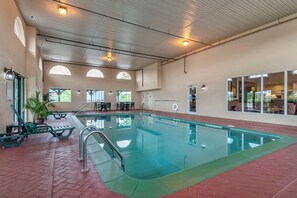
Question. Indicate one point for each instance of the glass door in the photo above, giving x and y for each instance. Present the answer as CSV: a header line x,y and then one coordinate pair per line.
x,y
18,96
192,99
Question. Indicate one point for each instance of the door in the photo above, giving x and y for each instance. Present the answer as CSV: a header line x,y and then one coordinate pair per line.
x,y
192,99
18,96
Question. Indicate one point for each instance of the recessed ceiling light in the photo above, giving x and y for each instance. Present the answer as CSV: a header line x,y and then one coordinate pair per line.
x,y
186,43
62,10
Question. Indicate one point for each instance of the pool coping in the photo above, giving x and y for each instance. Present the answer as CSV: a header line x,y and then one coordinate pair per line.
x,y
118,181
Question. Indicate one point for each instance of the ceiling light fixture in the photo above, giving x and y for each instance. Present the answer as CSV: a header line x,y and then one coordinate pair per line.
x,y
109,59
62,10
186,43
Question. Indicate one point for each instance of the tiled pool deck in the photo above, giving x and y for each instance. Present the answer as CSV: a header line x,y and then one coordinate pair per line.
x,y
41,167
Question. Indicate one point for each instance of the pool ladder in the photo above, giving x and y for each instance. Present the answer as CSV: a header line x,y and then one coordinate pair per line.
x,y
83,147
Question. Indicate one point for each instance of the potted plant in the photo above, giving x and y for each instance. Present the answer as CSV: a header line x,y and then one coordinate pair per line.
x,y
38,107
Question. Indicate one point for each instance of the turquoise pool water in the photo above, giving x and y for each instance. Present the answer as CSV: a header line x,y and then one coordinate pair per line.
x,y
155,146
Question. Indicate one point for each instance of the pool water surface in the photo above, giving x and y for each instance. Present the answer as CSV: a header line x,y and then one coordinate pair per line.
x,y
155,146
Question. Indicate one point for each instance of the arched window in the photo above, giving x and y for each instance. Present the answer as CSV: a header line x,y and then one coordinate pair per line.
x,y
95,73
60,70
123,76
40,64
19,30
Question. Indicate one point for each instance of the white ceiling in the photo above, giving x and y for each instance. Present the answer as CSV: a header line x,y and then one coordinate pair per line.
x,y
208,21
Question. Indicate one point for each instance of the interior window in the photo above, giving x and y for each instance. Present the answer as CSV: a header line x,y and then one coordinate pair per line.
x,y
234,94
252,93
292,93
273,93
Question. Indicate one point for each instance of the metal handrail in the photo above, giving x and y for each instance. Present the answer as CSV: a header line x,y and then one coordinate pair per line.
x,y
89,129
85,168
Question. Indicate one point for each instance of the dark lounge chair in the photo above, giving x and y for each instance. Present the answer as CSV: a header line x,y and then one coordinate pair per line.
x,y
11,139
58,115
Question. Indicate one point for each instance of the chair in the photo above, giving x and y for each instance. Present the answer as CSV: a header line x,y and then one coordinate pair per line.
x,y
291,108
122,105
108,106
11,139
29,128
132,107
118,106
58,115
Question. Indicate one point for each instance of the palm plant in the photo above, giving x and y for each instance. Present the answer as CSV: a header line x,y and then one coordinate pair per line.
x,y
39,108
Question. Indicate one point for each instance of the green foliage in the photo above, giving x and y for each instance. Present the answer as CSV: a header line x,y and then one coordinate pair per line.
x,y
292,97
39,108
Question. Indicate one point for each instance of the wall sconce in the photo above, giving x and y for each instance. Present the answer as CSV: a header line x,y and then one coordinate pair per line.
x,y
9,74
78,91
110,92
203,87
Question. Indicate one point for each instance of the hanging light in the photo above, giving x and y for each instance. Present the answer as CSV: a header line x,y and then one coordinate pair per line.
x,y
109,59
9,74
186,43
62,10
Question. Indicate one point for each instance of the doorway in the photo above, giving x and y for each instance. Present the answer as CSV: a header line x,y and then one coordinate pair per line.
x,y
192,99
18,96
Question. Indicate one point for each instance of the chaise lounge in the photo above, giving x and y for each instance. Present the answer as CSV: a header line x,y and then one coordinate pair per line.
x,y
12,139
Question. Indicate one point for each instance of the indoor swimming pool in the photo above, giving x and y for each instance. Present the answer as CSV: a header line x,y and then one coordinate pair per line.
x,y
154,146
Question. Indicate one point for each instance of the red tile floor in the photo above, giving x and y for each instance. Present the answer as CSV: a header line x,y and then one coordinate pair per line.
x,y
43,167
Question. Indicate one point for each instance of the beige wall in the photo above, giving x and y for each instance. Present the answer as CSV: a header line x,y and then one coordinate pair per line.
x,y
271,50
79,81
12,54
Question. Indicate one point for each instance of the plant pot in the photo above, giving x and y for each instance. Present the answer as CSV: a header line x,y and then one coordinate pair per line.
x,y
39,120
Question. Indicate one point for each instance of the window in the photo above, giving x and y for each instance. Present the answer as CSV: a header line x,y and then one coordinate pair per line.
x,y
95,95
19,30
252,93
95,73
292,93
123,76
60,94
60,70
234,94
123,96
273,93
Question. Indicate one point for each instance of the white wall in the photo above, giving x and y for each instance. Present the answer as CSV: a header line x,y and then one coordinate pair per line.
x,y
79,81
271,50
